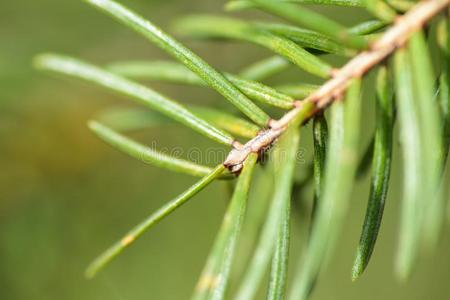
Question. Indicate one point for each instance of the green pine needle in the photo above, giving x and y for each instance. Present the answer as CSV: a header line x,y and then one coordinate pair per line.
x,y
280,260
139,93
244,4
130,119
197,65
367,27
147,154
430,126
214,278
381,168
381,10
313,21
411,220
104,259
176,73
308,39
222,27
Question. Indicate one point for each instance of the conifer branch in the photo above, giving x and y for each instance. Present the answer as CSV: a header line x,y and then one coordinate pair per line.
x,y
394,38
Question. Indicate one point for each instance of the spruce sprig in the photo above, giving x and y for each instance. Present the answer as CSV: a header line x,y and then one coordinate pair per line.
x,y
395,43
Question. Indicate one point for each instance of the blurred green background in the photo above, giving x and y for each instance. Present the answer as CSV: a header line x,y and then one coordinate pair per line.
x,y
65,196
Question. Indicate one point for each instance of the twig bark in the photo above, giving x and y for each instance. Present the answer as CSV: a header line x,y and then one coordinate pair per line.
x,y
394,38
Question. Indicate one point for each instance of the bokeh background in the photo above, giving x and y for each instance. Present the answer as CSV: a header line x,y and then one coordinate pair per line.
x,y
65,195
